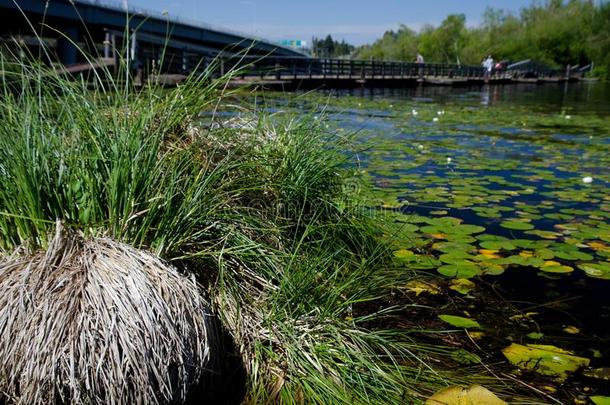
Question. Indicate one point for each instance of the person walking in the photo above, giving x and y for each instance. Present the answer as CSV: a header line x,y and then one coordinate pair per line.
x,y
420,61
488,64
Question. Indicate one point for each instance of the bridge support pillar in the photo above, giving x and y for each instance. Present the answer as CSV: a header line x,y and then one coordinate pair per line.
x,y
66,48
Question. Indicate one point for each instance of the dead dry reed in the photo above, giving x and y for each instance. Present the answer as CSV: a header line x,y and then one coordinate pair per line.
x,y
98,321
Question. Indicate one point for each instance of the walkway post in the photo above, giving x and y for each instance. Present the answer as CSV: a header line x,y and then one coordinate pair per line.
x,y
107,45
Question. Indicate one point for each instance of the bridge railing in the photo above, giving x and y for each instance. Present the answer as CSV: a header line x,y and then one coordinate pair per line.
x,y
287,68
124,7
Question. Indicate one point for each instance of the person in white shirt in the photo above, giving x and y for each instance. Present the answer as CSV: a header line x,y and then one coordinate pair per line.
x,y
488,64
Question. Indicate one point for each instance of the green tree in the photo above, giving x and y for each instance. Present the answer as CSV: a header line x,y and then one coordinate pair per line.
x,y
555,32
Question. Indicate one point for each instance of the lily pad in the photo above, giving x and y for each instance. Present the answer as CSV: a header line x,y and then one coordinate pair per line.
x,y
465,269
517,225
544,359
555,267
462,285
596,270
418,287
460,321
535,335
473,395
498,245
600,400
457,257
572,330
403,254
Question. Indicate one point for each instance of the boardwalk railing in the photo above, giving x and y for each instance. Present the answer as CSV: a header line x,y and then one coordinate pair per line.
x,y
288,68
355,69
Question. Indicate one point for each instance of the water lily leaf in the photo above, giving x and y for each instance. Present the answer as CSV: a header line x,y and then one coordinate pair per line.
x,y
403,254
525,243
462,285
526,316
599,247
498,245
492,269
460,238
555,267
445,222
419,287
489,237
490,253
459,321
535,335
544,359
449,247
600,400
520,260
476,335
572,255
544,234
473,395
602,373
572,330
517,225
431,229
456,257
463,270
545,254
467,229
596,270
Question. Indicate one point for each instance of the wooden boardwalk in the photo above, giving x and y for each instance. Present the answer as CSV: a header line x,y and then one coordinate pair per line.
x,y
341,73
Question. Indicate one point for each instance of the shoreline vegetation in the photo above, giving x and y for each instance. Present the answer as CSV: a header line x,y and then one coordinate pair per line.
x,y
263,210
557,33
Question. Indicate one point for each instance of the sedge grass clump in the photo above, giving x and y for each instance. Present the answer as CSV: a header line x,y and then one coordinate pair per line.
x,y
97,321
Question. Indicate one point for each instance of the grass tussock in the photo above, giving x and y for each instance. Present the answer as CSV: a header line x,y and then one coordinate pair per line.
x,y
262,207
97,321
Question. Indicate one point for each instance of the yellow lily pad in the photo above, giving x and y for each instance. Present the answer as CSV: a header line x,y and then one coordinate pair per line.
x,y
544,359
403,254
599,247
490,253
462,285
473,395
418,287
476,335
521,317
555,267
572,330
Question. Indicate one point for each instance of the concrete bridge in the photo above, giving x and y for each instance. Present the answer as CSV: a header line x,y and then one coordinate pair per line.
x,y
100,27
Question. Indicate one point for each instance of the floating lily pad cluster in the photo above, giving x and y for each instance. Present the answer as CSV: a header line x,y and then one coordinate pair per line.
x,y
483,189
493,188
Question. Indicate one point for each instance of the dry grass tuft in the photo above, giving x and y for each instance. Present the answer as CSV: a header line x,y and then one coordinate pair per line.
x,y
97,321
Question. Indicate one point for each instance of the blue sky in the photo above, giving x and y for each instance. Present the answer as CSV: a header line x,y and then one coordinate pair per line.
x,y
357,21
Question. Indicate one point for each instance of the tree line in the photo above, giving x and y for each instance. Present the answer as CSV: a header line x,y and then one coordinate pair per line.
x,y
330,48
557,33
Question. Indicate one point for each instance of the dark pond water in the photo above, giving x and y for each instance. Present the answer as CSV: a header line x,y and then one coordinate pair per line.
x,y
505,186
583,97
